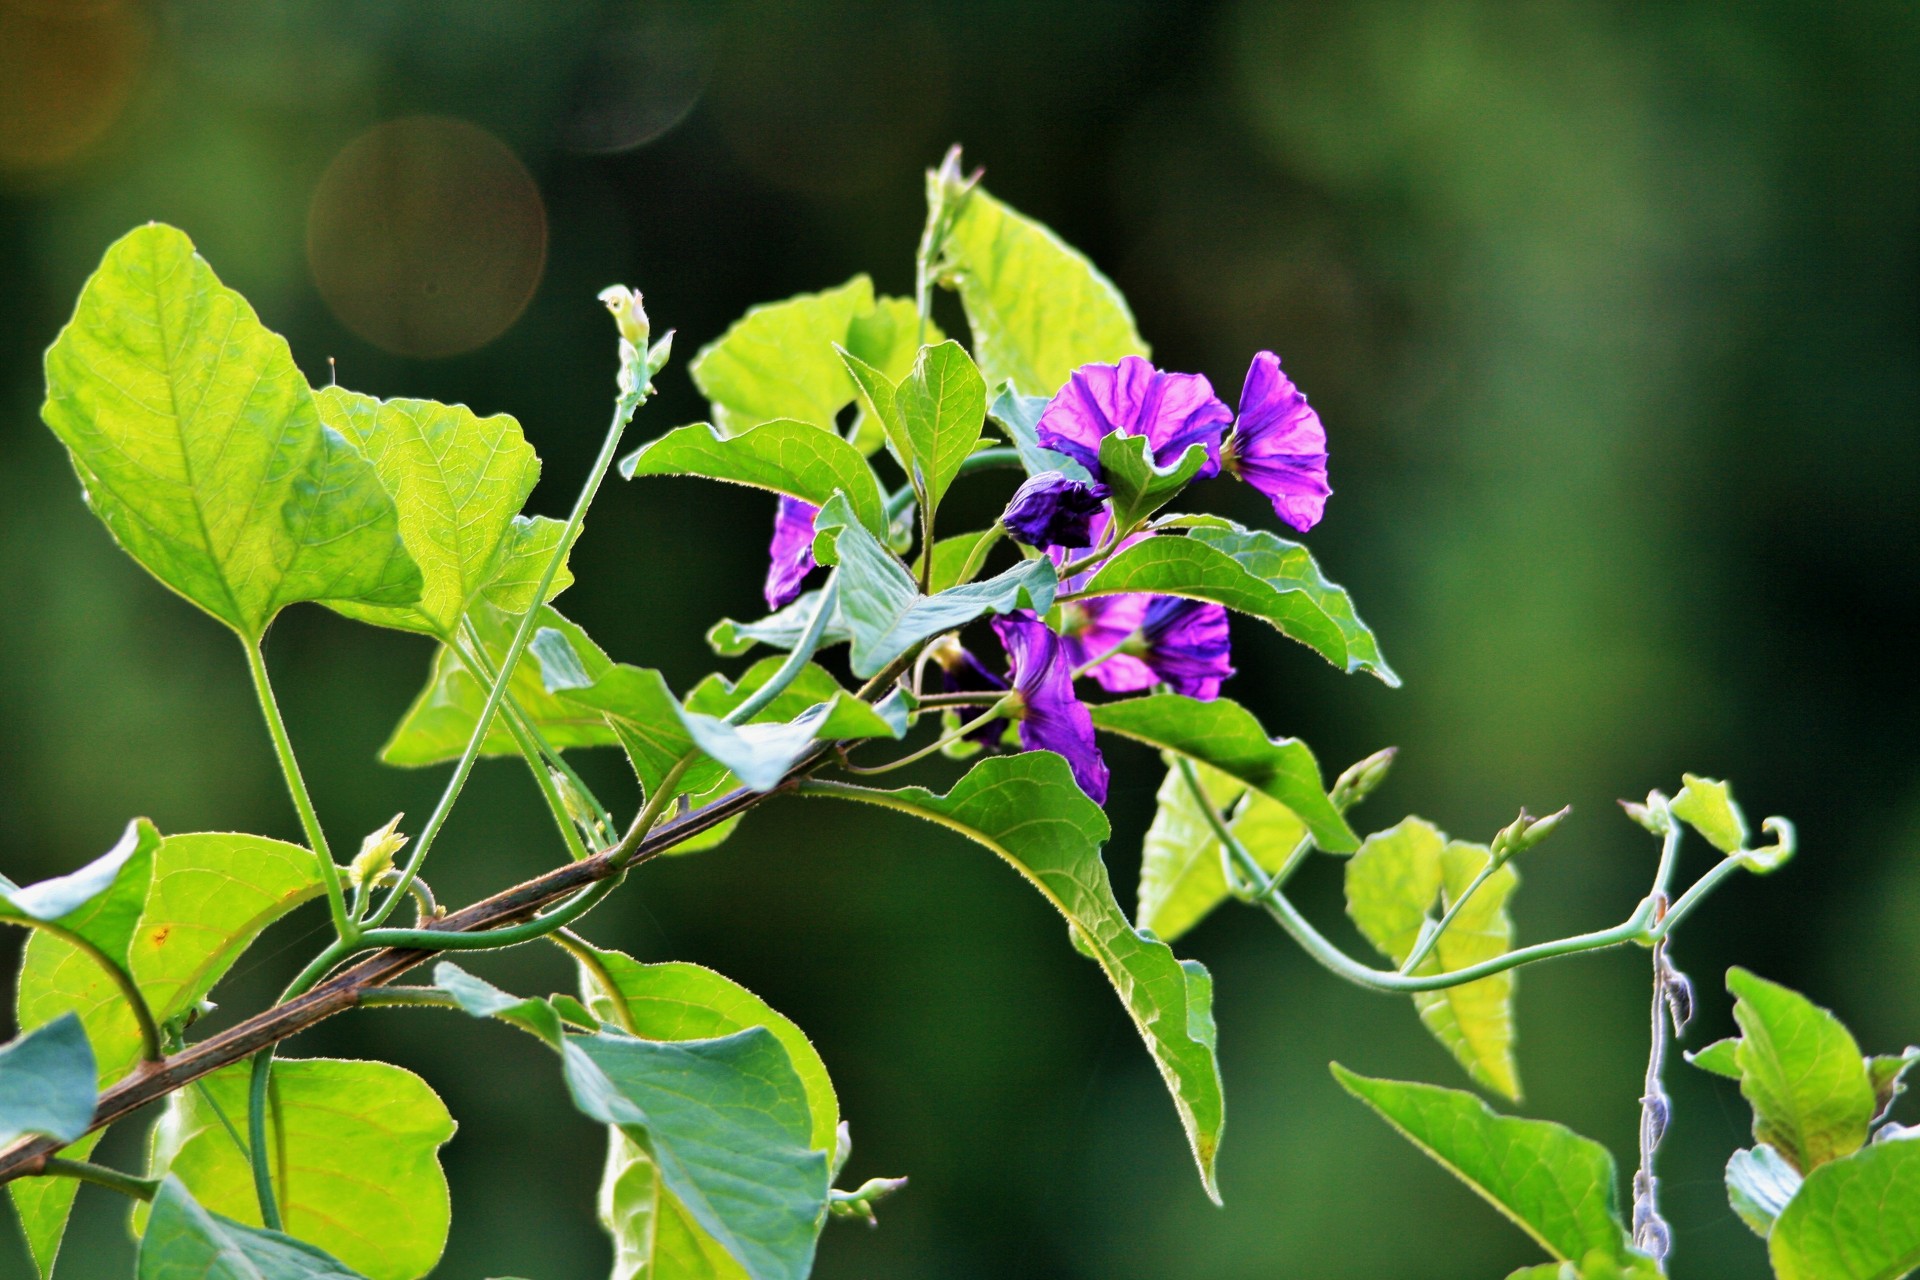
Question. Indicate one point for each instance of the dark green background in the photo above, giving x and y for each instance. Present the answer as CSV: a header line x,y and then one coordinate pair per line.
x,y
1610,310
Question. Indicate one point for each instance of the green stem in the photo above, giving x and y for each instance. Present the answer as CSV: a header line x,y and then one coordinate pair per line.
x,y
1432,936
493,939
655,807
797,658
589,960
978,556
978,460
973,698
101,1176
474,653
406,998
623,411
258,1101
343,925
1695,895
953,735
152,1045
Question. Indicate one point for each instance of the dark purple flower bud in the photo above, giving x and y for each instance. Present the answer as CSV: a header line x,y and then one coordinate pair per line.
x,y
1172,410
1278,445
1053,510
1051,717
792,551
952,669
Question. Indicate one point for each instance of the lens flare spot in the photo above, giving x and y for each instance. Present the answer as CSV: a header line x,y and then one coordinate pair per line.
x,y
67,70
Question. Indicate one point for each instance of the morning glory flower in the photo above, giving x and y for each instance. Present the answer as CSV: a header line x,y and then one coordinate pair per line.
x,y
1278,445
1050,716
1052,510
1172,410
791,552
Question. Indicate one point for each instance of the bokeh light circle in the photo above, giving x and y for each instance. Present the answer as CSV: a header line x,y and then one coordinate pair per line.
x,y
67,70
647,68
427,236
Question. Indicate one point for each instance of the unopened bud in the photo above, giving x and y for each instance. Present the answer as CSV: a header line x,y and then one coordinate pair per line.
x,y
859,1202
1524,832
628,314
375,858
1362,779
1652,815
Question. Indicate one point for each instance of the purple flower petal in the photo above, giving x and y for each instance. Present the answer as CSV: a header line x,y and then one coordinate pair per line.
x,y
1186,646
1278,445
791,552
1051,510
1172,410
1052,717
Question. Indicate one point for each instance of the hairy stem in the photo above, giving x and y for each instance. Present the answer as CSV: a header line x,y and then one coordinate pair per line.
x,y
343,926
1431,937
101,1176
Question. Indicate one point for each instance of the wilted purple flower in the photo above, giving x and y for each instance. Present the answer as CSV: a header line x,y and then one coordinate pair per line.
x,y
1172,410
1278,445
1050,715
791,552
1053,510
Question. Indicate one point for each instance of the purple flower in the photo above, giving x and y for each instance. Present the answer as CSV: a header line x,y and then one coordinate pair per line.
x,y
791,552
1051,510
1051,717
1278,445
1172,410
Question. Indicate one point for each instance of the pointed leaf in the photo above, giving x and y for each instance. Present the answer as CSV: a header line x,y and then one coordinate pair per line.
x,y
1225,735
1553,1184
942,405
1853,1219
100,901
784,456
644,715
457,481
1405,876
779,630
529,544
1140,486
777,361
885,340
1017,416
1037,308
761,754
1720,1058
1759,1185
46,1083
1887,1072
185,1242
1027,809
479,998
356,1159
1706,805
1801,1072
883,607
1181,879
200,447
436,727
716,695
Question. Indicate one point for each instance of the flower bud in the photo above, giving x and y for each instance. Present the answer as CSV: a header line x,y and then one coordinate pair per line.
x,y
1524,832
628,314
1362,779
1652,815
375,858
1051,510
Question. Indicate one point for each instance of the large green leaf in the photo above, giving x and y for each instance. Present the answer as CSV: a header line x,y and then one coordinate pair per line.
x,y
1853,1219
47,1083
882,605
1401,877
1288,566
185,1242
1801,1072
457,480
1553,1184
1027,809
645,716
653,1234
355,1159
513,580
1759,1185
942,405
1181,876
784,456
200,447
1037,308
1225,735
726,1124
100,902
440,721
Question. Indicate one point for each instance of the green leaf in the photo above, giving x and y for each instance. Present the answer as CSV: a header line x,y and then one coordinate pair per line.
x,y
1759,1185
726,1124
882,606
716,695
1553,1184
100,901
1887,1072
1226,736
761,754
1707,806
1853,1219
645,717
529,543
780,630
1018,418
950,559
1036,307
199,445
1408,874
1801,1072
941,405
786,456
1597,1265
44,1204
46,1083
1027,809
885,340
777,361
1720,1058
1288,566
1140,487
185,1242
355,1159
436,727
1181,880
457,481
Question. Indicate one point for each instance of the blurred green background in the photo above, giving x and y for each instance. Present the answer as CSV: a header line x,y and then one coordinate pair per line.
x,y
1610,310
